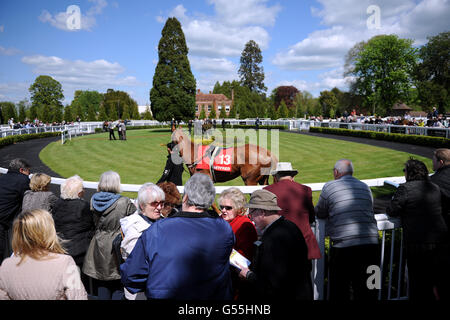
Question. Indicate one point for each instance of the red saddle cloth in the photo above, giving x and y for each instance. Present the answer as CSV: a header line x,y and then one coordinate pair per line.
x,y
222,160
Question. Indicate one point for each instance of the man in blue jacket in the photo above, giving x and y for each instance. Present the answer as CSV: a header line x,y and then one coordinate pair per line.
x,y
185,256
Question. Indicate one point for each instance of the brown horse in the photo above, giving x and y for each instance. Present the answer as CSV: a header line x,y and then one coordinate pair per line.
x,y
251,162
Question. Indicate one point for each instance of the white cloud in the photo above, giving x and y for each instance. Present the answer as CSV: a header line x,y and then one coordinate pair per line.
x,y
249,12
82,75
214,40
87,21
14,91
8,51
346,25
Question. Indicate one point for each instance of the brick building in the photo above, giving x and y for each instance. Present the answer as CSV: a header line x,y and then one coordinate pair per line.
x,y
207,101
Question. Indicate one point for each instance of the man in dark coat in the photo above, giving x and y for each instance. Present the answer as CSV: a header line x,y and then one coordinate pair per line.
x,y
441,177
280,268
12,188
295,201
172,172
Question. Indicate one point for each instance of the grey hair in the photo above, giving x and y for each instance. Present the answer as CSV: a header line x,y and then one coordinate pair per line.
x,y
17,164
149,192
200,191
71,187
344,166
109,182
235,195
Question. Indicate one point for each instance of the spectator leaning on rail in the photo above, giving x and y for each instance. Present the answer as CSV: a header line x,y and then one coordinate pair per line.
x,y
13,185
441,177
73,220
150,202
39,197
39,268
295,201
418,203
347,205
101,263
185,256
280,269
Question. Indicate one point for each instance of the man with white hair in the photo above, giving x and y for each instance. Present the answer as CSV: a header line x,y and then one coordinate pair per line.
x,y
347,205
185,256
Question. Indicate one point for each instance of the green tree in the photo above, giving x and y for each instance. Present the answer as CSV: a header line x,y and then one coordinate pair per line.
x,y
22,105
222,113
382,68
283,110
272,112
213,114
119,104
87,103
102,116
202,114
251,74
68,115
433,73
8,111
46,95
147,114
329,103
173,92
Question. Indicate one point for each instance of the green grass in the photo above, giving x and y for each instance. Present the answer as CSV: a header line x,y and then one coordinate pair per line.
x,y
142,159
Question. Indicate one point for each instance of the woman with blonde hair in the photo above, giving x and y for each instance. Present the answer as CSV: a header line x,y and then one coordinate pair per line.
x,y
39,197
40,269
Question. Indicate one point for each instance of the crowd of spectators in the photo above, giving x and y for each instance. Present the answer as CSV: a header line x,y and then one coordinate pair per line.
x,y
36,123
432,119
167,245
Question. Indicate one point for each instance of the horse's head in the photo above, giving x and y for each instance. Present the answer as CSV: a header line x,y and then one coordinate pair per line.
x,y
178,136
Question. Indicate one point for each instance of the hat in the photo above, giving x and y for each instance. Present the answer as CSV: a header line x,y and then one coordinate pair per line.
x,y
263,199
285,167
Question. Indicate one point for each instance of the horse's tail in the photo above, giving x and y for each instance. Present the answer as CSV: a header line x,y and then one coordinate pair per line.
x,y
265,171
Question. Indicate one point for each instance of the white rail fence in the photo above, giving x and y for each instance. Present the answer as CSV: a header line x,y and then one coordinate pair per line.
x,y
387,226
293,125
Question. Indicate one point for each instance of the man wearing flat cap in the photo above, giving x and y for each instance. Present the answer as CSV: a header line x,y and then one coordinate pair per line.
x,y
295,201
280,269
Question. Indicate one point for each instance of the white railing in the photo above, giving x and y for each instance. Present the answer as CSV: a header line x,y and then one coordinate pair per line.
x,y
384,223
292,124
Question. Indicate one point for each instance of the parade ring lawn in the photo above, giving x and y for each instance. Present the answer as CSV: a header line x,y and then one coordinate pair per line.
x,y
142,157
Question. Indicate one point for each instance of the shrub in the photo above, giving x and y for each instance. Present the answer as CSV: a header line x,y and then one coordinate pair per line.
x,y
435,142
24,137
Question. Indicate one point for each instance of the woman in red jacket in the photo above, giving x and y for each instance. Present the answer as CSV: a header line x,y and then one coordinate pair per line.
x,y
232,207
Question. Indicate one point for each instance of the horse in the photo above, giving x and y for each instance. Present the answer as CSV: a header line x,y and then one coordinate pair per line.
x,y
253,163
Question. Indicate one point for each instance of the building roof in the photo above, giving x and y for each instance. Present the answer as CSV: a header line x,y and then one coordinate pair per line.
x,y
200,97
400,106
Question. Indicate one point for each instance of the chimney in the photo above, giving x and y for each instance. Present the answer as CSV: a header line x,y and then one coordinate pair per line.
x,y
198,91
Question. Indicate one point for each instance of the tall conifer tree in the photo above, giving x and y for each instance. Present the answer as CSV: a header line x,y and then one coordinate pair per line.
x,y
173,92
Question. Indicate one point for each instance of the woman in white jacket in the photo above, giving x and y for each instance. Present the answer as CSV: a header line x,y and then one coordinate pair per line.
x,y
150,202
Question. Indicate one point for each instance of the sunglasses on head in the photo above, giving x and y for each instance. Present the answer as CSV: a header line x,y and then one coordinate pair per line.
x,y
228,208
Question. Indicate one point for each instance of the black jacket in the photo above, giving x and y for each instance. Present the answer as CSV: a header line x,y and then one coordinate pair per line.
x,y
12,188
281,269
442,179
418,203
74,223
172,172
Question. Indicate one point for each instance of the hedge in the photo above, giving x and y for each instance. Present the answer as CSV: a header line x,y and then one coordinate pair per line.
x,y
435,142
24,137
219,126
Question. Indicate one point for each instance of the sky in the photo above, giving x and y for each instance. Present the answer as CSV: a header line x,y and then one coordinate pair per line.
x,y
101,44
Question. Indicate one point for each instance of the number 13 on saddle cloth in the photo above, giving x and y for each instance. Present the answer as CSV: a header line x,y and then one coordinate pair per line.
x,y
223,158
